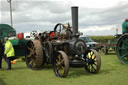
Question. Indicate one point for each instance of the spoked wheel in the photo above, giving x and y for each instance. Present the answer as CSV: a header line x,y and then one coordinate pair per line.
x,y
33,33
122,49
104,50
34,54
61,64
93,61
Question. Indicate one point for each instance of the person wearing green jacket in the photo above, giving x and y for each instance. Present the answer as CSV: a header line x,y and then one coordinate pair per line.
x,y
125,26
9,52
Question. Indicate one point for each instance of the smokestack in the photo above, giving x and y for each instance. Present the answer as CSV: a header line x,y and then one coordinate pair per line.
x,y
75,21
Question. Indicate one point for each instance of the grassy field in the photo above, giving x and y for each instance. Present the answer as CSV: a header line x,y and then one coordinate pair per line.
x,y
112,73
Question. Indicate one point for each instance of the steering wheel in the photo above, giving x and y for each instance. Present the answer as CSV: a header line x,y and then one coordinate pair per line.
x,y
58,27
33,33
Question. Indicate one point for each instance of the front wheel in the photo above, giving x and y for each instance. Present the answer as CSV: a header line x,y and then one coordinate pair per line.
x,y
60,64
93,61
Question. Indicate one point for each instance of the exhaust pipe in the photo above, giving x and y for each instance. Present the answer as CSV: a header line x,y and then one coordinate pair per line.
x,y
75,22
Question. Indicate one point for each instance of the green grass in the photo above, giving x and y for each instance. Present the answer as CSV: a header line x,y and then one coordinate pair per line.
x,y
112,73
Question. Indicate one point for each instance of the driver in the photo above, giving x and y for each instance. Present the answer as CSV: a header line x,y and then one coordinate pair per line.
x,y
125,26
66,32
63,31
65,26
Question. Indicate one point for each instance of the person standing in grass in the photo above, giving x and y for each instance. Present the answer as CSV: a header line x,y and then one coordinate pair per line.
x,y
9,52
1,52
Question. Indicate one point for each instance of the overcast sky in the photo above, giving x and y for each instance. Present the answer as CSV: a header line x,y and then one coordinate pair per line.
x,y
96,17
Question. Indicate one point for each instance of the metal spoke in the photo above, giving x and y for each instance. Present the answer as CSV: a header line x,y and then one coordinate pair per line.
x,y
30,48
95,60
89,55
124,55
57,68
125,58
95,64
57,60
56,64
29,55
125,42
63,68
93,68
93,56
120,48
92,53
89,67
31,62
59,57
62,61
124,50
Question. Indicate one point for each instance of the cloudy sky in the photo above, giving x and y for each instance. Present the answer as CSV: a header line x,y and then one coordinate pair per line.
x,y
96,17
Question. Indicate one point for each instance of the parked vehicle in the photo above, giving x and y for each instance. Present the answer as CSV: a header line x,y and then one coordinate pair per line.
x,y
18,41
89,42
62,48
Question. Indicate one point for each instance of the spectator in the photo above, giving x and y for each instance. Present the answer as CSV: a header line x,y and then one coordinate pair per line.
x,y
1,52
9,52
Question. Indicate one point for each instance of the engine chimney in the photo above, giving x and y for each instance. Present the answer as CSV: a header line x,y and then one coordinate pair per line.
x,y
75,22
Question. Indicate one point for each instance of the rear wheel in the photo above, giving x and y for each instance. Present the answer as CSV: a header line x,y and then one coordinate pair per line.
x,y
93,61
61,64
122,49
34,54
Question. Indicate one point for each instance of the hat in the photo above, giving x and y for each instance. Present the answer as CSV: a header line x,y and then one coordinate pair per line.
x,y
65,25
126,20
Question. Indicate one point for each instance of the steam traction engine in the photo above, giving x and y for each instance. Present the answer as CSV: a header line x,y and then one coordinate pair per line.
x,y
122,48
122,44
63,49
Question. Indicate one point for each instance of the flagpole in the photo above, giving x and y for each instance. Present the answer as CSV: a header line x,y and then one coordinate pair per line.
x,y
9,1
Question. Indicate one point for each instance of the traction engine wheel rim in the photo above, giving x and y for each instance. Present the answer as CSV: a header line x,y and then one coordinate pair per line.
x,y
93,61
34,54
61,64
122,49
